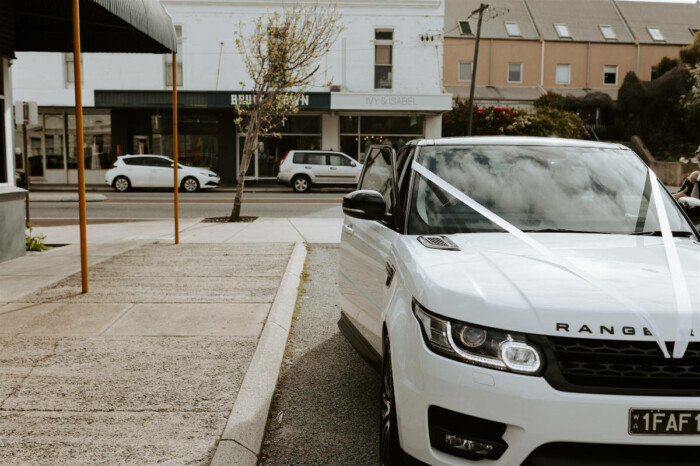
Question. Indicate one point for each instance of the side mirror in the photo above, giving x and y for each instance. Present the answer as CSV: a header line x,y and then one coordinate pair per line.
x,y
353,164
365,205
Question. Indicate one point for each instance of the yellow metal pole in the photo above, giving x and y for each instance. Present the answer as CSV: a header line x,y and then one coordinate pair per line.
x,y
79,144
175,183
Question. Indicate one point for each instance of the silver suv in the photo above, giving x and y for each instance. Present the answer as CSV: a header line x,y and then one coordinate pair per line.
x,y
302,169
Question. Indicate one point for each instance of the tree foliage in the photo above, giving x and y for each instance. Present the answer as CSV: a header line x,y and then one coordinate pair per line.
x,y
282,57
543,121
690,54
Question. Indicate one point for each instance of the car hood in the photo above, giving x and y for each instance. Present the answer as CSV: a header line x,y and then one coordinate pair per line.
x,y
497,281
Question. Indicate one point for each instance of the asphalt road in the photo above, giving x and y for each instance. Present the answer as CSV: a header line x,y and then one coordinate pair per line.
x,y
159,205
326,406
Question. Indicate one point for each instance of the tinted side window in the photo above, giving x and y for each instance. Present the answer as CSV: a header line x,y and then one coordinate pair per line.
x,y
338,160
158,162
315,159
299,158
378,175
136,161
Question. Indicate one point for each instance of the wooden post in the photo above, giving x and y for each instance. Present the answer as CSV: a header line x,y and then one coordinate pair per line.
x,y
176,186
79,144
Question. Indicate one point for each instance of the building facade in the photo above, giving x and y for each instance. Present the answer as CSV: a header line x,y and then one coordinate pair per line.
x,y
529,47
385,72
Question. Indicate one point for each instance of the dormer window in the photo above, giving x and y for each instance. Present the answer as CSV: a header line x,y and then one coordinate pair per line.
x,y
608,32
465,28
562,31
513,29
655,34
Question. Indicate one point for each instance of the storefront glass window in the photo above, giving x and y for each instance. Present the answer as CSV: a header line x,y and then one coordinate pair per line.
x,y
53,136
194,150
360,132
97,142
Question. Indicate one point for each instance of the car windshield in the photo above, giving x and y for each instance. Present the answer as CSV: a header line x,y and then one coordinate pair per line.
x,y
538,188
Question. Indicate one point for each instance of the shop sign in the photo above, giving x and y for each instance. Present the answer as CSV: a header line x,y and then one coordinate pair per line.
x,y
414,102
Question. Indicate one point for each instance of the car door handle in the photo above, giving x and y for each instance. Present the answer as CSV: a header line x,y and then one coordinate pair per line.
x,y
308,167
348,229
333,168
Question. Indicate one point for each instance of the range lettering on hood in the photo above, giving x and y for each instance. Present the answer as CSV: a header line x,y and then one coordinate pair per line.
x,y
606,330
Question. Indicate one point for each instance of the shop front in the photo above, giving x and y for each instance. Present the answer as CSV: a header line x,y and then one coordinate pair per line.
x,y
140,122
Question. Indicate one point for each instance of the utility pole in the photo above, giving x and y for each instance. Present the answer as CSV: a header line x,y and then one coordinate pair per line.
x,y
480,11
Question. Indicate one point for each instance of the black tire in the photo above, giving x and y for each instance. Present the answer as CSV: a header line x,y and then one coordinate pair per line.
x,y
390,453
121,184
190,184
301,184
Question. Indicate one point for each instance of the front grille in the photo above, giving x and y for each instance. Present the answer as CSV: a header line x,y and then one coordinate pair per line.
x,y
623,367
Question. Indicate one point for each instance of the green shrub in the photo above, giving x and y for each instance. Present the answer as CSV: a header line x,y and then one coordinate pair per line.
x,y
34,242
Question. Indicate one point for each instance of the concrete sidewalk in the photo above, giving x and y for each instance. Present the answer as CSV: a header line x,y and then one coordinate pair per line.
x,y
272,230
147,367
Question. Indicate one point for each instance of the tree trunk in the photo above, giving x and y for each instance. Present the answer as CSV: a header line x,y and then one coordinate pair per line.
x,y
248,147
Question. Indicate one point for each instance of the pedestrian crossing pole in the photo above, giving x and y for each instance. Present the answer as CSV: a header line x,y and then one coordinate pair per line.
x,y
176,201
80,145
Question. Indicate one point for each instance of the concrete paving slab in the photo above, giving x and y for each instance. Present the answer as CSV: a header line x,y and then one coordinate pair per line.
x,y
52,438
231,453
212,232
200,250
194,374
235,319
318,230
178,290
58,319
215,265
268,230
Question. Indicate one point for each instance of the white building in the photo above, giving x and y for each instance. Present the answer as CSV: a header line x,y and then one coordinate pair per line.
x,y
385,71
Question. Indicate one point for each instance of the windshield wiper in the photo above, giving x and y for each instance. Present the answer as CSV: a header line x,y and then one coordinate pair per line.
x,y
679,234
564,230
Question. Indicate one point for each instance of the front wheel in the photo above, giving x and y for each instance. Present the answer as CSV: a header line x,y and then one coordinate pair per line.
x,y
389,446
121,184
301,184
190,184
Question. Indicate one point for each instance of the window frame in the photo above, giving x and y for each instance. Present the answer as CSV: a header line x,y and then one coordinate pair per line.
x,y
617,74
652,31
461,23
556,73
459,71
603,27
517,27
521,73
565,28
384,43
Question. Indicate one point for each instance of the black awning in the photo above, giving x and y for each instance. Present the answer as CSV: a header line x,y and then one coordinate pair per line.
x,y
129,26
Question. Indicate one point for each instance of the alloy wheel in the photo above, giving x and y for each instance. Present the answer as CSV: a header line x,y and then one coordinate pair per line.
x,y
121,184
190,185
301,184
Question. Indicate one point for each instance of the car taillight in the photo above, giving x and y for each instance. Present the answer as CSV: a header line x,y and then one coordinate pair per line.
x,y
112,166
285,156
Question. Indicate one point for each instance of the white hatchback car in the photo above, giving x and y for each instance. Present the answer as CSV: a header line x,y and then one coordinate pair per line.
x,y
156,171
528,301
302,169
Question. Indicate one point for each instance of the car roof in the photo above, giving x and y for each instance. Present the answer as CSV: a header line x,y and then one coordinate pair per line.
x,y
323,151
145,155
514,141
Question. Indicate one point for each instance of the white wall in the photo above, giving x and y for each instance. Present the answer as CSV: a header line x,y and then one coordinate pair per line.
x,y
206,24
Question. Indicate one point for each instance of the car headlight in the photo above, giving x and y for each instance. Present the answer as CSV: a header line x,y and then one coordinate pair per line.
x,y
497,349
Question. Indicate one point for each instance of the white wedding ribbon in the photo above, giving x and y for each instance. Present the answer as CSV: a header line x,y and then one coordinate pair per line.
x,y
684,322
680,288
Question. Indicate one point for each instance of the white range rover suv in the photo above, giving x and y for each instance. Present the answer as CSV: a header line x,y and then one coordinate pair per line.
x,y
528,301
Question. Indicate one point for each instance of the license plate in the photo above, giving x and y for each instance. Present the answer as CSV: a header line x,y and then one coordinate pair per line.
x,y
664,422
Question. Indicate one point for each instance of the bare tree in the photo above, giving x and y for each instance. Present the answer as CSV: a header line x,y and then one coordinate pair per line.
x,y
281,56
